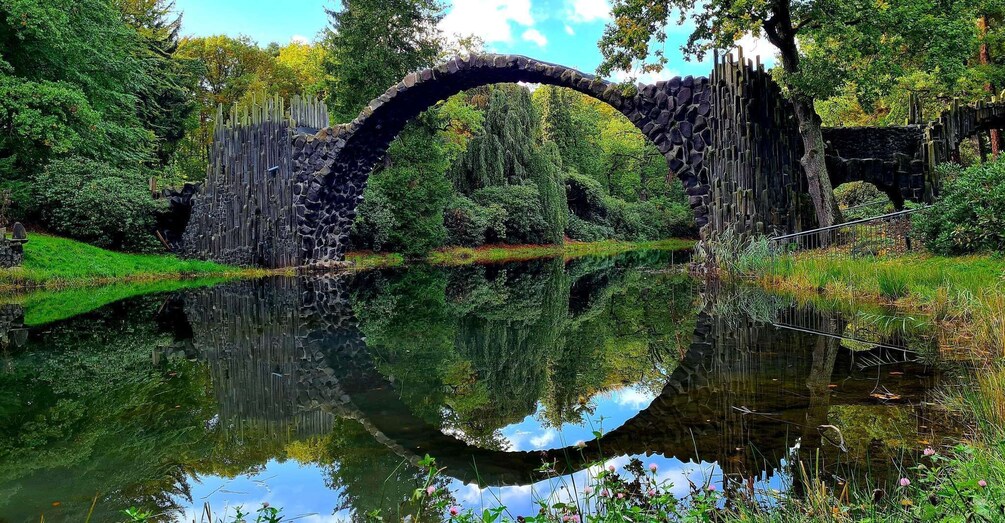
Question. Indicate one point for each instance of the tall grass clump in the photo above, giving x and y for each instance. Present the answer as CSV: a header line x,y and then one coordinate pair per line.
x,y
893,283
733,254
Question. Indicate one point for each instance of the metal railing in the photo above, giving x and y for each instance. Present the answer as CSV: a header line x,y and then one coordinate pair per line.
x,y
889,233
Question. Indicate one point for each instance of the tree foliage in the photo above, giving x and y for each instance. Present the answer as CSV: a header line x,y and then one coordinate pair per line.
x,y
373,44
970,214
87,81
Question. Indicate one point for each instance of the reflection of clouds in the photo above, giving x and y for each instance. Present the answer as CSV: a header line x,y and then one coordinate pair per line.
x,y
633,397
524,440
540,441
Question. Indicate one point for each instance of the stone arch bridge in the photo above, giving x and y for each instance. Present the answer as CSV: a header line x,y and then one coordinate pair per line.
x,y
283,186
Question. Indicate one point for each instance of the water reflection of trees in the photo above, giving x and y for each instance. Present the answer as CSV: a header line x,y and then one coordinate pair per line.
x,y
467,350
82,401
476,349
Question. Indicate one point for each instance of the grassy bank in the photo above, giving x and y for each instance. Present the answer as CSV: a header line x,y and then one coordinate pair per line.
x,y
965,295
452,256
49,305
51,262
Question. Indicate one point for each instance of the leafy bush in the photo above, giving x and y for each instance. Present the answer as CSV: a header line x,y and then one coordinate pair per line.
x,y
581,230
97,203
586,197
857,193
970,214
470,224
374,221
868,199
524,221
632,221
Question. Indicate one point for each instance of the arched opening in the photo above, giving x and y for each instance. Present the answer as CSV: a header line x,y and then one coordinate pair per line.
x,y
519,164
858,200
671,114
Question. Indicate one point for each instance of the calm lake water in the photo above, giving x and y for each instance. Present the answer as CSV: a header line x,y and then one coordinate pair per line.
x,y
320,395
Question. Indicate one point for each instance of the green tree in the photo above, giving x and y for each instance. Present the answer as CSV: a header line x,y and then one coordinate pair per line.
x,y
403,205
167,97
71,79
373,44
719,24
227,70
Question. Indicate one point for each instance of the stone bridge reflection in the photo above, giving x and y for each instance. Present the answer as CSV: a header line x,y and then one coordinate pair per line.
x,y
290,352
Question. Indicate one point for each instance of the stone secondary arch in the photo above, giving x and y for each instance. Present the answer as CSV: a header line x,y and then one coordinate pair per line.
x,y
336,163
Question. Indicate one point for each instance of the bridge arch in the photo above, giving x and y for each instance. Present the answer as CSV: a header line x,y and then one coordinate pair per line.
x,y
674,115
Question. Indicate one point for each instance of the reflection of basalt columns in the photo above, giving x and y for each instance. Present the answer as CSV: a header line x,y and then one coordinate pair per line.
x,y
13,334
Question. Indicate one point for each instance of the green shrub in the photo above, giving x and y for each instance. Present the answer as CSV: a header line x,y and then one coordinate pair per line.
x,y
524,220
970,214
375,220
857,193
97,203
471,225
586,197
632,221
583,231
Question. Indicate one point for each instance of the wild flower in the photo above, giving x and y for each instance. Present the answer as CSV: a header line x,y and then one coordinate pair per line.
x,y
929,451
611,468
653,467
904,482
982,483
580,444
454,511
587,490
430,490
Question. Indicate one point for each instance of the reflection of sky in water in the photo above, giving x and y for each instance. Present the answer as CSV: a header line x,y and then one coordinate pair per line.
x,y
301,491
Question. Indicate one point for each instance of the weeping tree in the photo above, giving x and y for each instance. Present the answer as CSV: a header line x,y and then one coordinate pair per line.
x,y
507,166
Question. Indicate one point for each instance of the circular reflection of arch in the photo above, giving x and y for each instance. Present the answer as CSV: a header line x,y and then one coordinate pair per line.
x,y
705,411
673,115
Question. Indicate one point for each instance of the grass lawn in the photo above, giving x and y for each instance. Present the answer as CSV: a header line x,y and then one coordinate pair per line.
x,y
50,261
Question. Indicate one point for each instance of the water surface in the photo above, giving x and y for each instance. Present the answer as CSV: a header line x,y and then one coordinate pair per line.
x,y
321,394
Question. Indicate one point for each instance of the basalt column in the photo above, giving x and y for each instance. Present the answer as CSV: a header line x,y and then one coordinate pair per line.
x,y
757,179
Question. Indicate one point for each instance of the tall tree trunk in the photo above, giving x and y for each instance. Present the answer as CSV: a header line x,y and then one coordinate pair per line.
x,y
985,59
782,35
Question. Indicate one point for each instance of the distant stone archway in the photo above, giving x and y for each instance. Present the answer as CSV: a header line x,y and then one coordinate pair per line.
x,y
674,115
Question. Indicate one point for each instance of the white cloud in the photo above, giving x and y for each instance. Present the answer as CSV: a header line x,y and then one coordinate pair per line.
x,y
489,19
757,46
581,11
533,35
570,30
299,39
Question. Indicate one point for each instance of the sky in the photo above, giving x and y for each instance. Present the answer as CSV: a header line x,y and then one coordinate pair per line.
x,y
565,32
301,489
